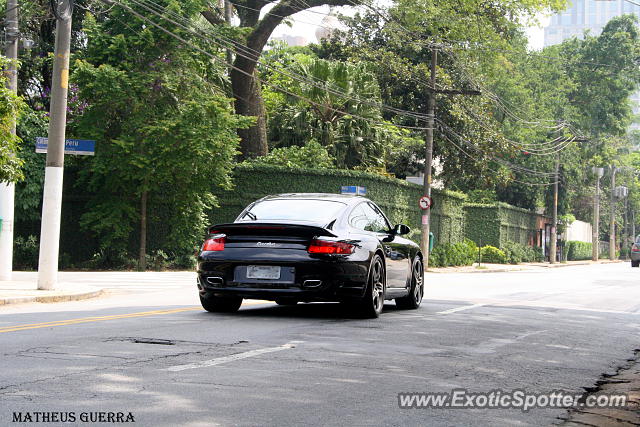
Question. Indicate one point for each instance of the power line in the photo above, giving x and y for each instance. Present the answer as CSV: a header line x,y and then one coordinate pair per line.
x,y
277,87
493,170
497,159
255,57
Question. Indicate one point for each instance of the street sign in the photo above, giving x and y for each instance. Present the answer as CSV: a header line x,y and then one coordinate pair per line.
x,y
353,189
425,202
82,147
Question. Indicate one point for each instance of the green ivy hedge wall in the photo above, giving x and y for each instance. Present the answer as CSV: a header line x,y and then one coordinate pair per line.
x,y
398,199
499,223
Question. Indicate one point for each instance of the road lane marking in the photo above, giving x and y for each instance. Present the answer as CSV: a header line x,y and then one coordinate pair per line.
x,y
16,328
233,357
455,310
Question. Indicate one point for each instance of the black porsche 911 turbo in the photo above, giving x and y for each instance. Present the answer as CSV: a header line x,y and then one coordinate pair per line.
x,y
307,247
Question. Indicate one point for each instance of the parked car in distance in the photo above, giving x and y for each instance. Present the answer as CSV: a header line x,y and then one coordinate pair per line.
x,y
635,252
307,247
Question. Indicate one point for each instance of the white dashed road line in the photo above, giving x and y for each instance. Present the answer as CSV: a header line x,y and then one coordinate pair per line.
x,y
455,310
233,357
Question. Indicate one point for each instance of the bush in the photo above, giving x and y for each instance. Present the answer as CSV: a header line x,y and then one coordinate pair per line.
x,y
312,155
624,253
26,251
575,250
516,253
451,255
493,255
158,261
533,254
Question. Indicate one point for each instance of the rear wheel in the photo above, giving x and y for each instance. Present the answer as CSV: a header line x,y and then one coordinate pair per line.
x,y
413,300
216,304
635,263
370,306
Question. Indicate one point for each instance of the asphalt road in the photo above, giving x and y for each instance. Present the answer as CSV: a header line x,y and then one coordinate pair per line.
x,y
149,349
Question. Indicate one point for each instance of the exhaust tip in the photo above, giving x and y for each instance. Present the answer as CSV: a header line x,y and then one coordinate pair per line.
x,y
215,281
312,283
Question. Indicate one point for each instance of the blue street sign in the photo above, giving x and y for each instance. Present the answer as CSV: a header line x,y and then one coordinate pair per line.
x,y
83,147
353,189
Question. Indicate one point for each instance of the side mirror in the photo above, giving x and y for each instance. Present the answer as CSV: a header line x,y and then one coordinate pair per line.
x,y
401,230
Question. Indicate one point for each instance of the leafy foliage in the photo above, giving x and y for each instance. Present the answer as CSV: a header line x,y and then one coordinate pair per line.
x,y
159,120
25,253
516,253
452,255
11,106
312,155
492,255
575,250
333,102
28,200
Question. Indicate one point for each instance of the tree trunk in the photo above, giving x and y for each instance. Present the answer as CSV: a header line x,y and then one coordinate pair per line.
x,y
248,102
246,88
142,257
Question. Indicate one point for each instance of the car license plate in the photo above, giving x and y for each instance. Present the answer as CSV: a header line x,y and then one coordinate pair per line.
x,y
263,272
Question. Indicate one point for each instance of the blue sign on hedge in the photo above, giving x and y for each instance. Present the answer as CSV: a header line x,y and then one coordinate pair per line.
x,y
353,189
83,147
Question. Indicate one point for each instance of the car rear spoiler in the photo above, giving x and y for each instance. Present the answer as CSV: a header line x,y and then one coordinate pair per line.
x,y
267,228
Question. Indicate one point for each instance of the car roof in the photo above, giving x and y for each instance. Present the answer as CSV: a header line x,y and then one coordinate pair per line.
x,y
348,199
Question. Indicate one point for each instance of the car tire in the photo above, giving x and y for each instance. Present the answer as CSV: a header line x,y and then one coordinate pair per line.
x,y
416,291
635,263
216,304
286,301
370,306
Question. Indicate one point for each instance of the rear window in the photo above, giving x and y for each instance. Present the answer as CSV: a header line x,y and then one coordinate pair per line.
x,y
322,211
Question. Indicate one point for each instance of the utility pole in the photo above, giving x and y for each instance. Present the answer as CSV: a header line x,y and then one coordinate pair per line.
x,y
431,111
52,200
7,189
554,223
612,223
595,239
633,225
625,232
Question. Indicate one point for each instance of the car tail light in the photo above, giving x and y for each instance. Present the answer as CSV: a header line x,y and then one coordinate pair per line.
x,y
635,248
215,243
318,246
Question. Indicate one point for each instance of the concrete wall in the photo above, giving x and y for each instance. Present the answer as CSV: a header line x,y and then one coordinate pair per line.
x,y
578,231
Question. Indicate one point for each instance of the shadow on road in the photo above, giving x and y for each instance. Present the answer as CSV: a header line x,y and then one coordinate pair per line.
x,y
327,311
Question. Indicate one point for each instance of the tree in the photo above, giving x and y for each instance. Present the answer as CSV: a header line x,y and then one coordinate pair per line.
x,y
339,109
165,135
11,106
246,89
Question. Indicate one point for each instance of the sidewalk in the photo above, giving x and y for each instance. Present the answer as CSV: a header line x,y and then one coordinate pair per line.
x,y
20,291
527,266
626,381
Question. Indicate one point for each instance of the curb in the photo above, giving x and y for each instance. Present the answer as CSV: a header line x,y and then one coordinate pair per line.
x,y
52,298
479,271
528,267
